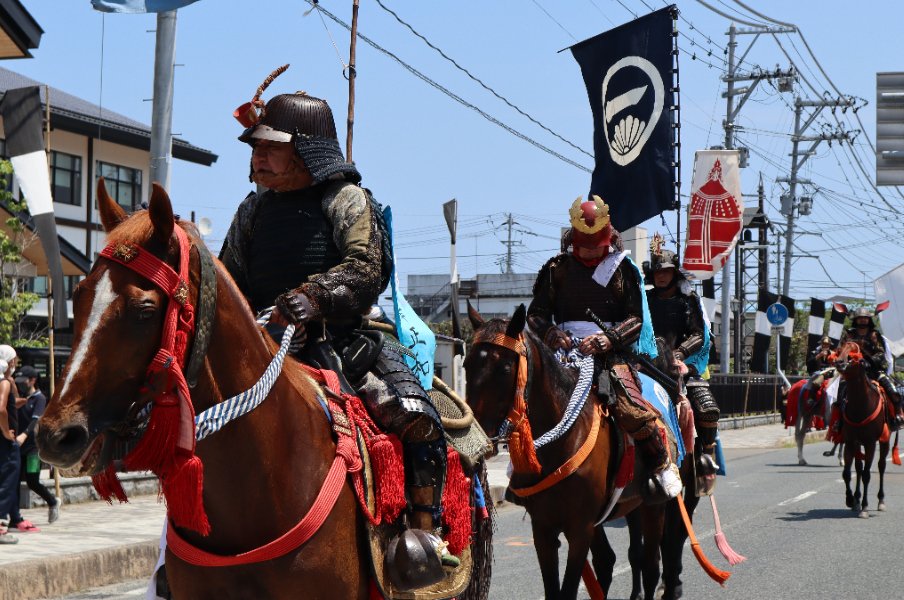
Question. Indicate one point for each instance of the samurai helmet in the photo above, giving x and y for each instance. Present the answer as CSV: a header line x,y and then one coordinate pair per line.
x,y
864,311
660,259
305,121
590,225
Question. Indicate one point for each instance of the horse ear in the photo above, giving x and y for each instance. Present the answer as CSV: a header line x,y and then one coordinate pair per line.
x,y
842,308
882,306
111,213
477,321
161,211
516,325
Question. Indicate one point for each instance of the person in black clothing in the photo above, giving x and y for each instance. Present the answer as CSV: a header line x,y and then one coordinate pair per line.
x,y
9,447
678,319
315,245
29,413
819,357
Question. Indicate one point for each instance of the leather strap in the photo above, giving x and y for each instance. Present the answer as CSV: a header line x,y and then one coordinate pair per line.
x,y
204,317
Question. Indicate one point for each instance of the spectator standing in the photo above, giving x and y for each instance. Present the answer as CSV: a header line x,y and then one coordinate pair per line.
x,y
29,413
9,447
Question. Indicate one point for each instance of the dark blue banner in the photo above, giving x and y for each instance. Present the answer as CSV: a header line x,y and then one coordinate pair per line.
x,y
628,72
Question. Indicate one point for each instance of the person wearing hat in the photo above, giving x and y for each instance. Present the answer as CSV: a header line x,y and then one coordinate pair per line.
x,y
819,357
597,276
863,332
678,320
29,413
315,244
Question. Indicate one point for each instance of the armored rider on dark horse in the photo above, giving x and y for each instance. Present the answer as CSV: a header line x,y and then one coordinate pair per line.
x,y
863,332
597,276
314,244
678,319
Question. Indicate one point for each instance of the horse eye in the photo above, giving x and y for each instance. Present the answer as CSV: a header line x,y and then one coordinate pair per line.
x,y
145,310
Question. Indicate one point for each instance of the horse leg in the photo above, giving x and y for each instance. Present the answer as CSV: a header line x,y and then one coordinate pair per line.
x,y
653,524
603,557
800,430
673,541
546,543
635,551
846,475
883,454
578,546
866,467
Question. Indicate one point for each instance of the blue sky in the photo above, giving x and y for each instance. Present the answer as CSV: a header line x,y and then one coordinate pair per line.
x,y
417,148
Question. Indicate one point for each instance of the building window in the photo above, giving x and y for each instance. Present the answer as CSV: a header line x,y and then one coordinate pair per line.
x,y
123,183
66,178
38,285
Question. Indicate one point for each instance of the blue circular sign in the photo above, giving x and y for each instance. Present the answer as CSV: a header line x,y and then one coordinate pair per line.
x,y
777,314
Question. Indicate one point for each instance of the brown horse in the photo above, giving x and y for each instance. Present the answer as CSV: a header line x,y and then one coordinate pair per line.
x,y
806,403
865,414
261,472
572,506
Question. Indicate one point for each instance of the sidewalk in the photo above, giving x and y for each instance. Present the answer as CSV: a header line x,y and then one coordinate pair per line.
x,y
95,544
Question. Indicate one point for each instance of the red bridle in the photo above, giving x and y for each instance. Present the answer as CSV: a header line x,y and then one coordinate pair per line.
x,y
167,446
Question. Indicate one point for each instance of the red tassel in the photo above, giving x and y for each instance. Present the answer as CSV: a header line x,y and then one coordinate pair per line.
x,y
626,468
374,592
521,449
456,504
389,474
158,444
184,499
896,456
108,486
594,589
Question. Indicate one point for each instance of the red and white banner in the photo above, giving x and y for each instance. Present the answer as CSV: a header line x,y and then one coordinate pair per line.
x,y
715,213
891,287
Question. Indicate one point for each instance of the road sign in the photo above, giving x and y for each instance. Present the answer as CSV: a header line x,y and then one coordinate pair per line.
x,y
777,314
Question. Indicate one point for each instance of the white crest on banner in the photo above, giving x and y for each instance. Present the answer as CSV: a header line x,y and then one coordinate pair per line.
x,y
631,133
715,212
891,287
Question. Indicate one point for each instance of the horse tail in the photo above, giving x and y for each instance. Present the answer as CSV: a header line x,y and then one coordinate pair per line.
x,y
716,574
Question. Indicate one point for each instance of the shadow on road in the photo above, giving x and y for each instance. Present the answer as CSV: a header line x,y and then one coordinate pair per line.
x,y
819,513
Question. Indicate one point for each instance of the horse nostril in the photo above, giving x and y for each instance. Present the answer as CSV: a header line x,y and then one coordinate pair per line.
x,y
69,439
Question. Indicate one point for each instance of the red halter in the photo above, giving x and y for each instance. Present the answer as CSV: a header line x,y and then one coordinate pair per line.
x,y
167,447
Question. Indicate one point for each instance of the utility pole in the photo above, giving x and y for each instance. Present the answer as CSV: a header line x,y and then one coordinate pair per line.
x,y
798,158
162,105
731,77
509,243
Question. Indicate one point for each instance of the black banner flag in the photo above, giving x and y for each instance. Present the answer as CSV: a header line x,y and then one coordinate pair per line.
x,y
629,75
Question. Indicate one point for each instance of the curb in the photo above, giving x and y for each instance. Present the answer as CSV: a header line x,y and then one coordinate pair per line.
x,y
75,490
64,575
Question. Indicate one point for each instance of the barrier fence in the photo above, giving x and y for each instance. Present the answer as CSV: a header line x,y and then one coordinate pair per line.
x,y
749,393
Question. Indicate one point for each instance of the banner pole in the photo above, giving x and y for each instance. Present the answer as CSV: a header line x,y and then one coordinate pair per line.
x,y
352,75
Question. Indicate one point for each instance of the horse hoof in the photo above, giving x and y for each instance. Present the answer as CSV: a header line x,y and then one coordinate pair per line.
x,y
863,514
881,506
802,462
829,453
856,507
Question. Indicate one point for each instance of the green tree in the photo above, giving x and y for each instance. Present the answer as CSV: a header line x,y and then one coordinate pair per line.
x,y
14,301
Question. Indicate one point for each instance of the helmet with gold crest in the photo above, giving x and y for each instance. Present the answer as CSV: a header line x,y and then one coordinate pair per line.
x,y
661,259
591,230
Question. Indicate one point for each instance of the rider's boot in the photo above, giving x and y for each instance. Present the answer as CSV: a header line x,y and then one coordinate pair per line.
x,y
665,483
705,464
706,417
426,474
895,398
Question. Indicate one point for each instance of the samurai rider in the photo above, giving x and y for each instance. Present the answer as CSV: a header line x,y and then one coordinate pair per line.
x,y
678,320
863,332
597,276
819,357
315,244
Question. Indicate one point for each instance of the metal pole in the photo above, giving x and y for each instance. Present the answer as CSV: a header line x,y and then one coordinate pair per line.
x,y
51,365
739,312
162,110
725,339
352,74
789,232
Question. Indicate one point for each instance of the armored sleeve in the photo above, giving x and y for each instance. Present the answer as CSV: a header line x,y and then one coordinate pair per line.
x,y
879,360
352,286
695,327
628,330
234,253
543,305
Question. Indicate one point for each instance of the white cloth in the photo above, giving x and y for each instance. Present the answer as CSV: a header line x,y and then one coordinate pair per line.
x,y
606,269
581,329
151,593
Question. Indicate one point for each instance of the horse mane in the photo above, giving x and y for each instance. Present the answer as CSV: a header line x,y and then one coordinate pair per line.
x,y
138,229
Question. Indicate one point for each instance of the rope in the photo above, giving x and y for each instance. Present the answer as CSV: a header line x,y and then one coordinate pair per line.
x,y
214,418
575,404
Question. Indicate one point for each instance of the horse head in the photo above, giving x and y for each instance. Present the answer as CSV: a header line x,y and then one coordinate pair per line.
x,y
849,361
118,321
492,369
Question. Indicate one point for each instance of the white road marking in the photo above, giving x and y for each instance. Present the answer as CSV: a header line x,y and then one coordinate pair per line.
x,y
803,496
103,298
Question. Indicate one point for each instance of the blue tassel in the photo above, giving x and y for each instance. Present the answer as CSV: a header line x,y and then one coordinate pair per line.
x,y
720,457
646,343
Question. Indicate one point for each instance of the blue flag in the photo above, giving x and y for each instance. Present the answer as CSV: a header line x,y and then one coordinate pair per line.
x,y
412,331
139,6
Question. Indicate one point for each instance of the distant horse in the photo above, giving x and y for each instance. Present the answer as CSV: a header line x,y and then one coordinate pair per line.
x,y
261,472
573,505
807,407
865,423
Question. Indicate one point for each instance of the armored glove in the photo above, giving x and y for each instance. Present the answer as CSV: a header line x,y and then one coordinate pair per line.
x,y
295,307
555,338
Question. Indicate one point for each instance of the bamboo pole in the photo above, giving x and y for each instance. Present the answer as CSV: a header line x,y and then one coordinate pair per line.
x,y
349,134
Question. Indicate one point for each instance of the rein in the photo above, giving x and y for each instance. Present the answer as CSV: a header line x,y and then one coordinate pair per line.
x,y
879,407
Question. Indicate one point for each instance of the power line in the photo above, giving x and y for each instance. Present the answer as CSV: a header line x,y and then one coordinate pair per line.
x,y
449,92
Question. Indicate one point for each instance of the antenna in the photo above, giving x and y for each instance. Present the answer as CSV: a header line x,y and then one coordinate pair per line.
x,y
205,226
